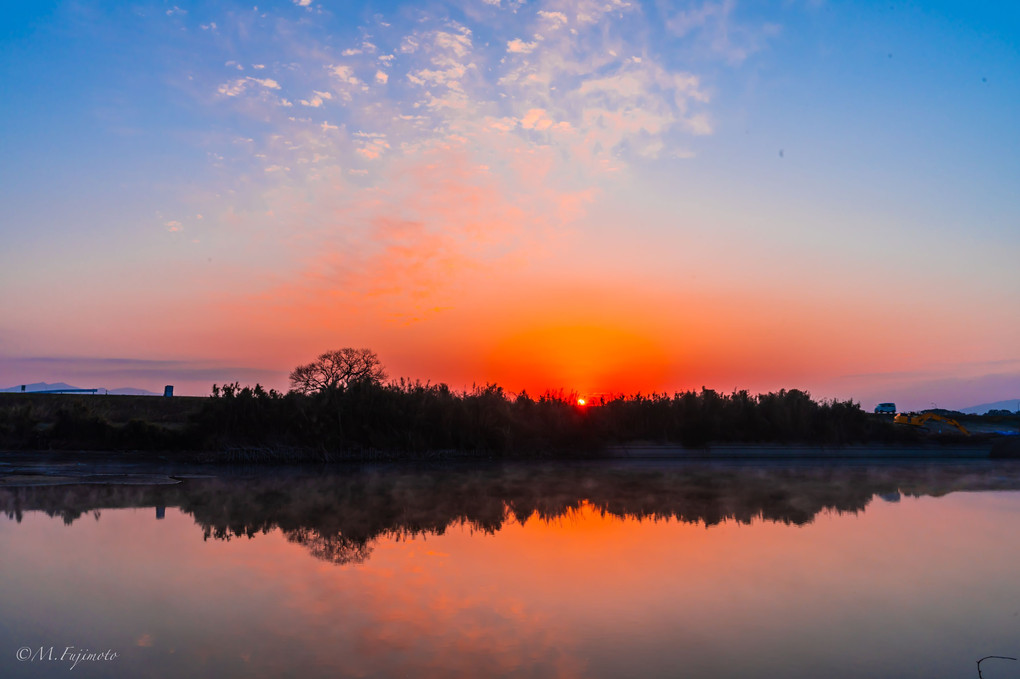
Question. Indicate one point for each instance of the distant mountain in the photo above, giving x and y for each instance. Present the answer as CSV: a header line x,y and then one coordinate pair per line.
x,y
40,386
1011,405
46,386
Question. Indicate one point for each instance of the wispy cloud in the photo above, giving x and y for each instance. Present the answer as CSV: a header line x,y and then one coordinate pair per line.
x,y
713,26
317,99
480,142
234,88
266,82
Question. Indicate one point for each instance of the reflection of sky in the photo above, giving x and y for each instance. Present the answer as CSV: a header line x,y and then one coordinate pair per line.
x,y
601,196
922,587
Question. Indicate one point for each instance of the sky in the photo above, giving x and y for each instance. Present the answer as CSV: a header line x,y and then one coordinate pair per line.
x,y
594,196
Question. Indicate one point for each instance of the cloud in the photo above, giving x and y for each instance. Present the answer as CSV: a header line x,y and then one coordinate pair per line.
x,y
429,218
317,99
698,124
266,82
611,103
372,145
536,119
233,88
344,73
512,5
237,87
713,26
459,43
478,156
593,11
408,45
518,46
556,18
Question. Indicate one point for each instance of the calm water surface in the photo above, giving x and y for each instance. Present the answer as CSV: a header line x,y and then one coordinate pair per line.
x,y
568,570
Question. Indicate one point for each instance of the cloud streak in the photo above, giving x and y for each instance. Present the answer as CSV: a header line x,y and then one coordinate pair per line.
x,y
534,126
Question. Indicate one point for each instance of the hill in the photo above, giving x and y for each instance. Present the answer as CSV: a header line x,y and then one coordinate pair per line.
x,y
1012,405
56,386
39,386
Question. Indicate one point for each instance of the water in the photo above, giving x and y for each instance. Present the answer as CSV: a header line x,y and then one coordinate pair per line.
x,y
569,570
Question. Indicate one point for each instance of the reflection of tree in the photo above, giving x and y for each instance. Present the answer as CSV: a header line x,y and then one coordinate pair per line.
x,y
338,549
337,515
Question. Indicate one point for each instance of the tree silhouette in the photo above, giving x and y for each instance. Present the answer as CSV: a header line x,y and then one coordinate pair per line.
x,y
338,369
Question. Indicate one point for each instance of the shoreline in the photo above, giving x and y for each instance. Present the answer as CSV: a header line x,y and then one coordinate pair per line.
x,y
803,451
63,467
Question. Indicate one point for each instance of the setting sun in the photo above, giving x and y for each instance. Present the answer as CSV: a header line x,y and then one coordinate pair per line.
x,y
580,401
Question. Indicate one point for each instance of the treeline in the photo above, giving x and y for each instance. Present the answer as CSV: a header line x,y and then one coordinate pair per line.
x,y
418,417
418,420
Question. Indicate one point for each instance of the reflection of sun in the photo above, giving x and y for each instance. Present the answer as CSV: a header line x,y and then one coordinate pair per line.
x,y
580,401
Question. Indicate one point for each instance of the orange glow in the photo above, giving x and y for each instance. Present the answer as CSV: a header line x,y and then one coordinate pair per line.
x,y
589,357
580,401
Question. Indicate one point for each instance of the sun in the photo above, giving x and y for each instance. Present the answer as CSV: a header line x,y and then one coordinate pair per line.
x,y
581,401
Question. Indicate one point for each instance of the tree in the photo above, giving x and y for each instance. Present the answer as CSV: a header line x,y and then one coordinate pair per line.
x,y
338,369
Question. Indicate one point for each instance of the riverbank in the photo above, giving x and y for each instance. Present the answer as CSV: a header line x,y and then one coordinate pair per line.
x,y
929,451
76,467
431,423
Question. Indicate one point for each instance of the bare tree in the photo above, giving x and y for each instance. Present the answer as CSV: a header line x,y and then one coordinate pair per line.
x,y
337,369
